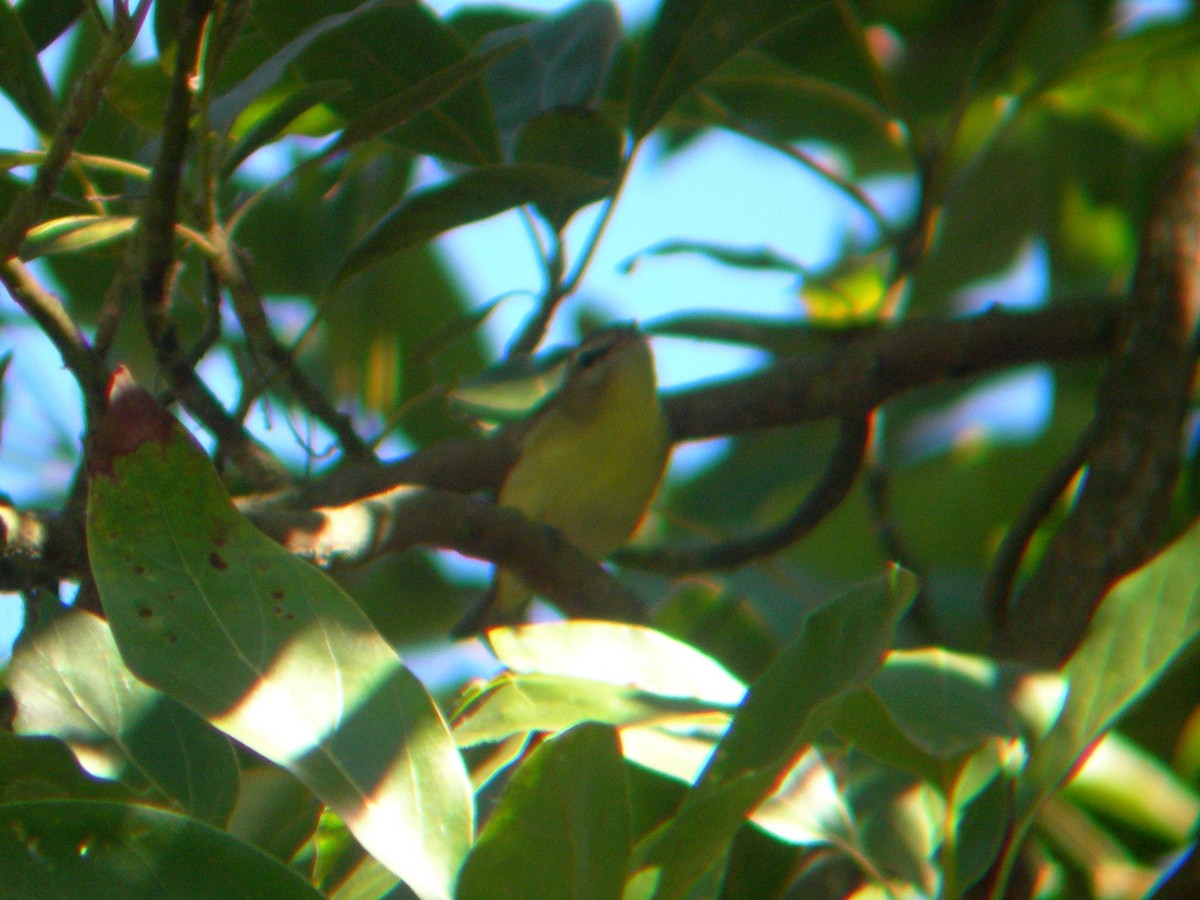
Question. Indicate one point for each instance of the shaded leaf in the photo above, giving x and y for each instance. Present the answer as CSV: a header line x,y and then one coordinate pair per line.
x,y
690,39
69,681
86,848
470,197
562,61
572,138
399,109
44,768
21,75
561,828
839,647
45,20
265,646
383,50
1147,85
758,259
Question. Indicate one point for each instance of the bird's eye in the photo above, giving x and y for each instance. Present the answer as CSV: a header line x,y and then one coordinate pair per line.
x,y
589,356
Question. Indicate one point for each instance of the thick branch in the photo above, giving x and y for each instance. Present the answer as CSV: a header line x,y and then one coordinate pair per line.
x,y
1123,503
874,366
409,517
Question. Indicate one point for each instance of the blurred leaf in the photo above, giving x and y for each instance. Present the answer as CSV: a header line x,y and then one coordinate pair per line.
x,y
572,138
561,61
855,291
44,768
86,848
69,681
1141,625
807,808
1147,84
272,122
758,259
470,197
74,233
1129,785
21,75
510,389
689,39
274,811
271,651
839,647
45,20
395,111
561,828
384,50
138,90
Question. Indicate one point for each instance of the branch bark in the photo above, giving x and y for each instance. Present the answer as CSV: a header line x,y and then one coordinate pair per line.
x,y
1133,465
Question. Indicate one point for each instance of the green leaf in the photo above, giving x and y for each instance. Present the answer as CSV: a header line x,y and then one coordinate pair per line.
x,y
265,646
272,123
756,259
71,234
383,50
44,768
1147,85
575,139
629,655
562,61
839,647
21,75
690,39
514,704
87,848
399,109
470,197
561,828
69,681
45,20
1144,621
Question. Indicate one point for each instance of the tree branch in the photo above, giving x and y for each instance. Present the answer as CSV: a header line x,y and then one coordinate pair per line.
x,y
1132,468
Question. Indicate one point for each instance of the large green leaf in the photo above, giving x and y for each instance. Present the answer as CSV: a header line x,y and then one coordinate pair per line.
x,y
690,39
69,681
561,62
21,75
92,848
44,768
562,826
266,647
1146,619
840,646
383,50
470,197
1147,85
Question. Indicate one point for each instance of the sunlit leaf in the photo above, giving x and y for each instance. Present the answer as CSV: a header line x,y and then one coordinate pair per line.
x,y
561,828
69,681
1144,621
839,647
690,39
74,233
273,122
266,647
89,848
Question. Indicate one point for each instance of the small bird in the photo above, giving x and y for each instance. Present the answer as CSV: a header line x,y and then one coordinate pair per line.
x,y
588,465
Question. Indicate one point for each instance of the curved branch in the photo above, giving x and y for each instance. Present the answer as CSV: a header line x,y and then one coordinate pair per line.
x,y
1124,501
835,483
